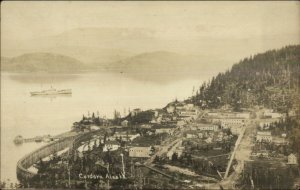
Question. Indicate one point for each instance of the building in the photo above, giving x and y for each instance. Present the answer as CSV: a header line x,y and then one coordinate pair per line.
x,y
124,123
212,114
236,130
270,114
163,130
139,152
209,128
124,136
189,106
292,159
263,136
208,140
243,115
191,135
111,146
170,109
233,122
180,123
146,126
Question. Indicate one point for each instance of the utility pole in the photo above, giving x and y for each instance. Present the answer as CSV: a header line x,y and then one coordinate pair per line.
x,y
123,166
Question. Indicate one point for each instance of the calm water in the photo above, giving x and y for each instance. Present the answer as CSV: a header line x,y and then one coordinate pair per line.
x,y
29,116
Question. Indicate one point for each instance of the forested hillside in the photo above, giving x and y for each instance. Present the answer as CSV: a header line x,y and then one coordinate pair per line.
x,y
271,79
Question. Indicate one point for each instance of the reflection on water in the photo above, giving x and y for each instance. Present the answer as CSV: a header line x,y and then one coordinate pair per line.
x,y
22,114
52,96
42,78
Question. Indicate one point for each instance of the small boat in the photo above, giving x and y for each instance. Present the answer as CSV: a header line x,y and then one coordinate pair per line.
x,y
38,139
51,91
18,140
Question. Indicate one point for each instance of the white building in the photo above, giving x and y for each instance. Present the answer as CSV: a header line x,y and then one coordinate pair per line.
x,y
228,123
263,136
124,123
189,106
271,114
163,130
209,128
170,109
123,136
212,114
243,115
191,135
292,159
111,146
140,152
208,140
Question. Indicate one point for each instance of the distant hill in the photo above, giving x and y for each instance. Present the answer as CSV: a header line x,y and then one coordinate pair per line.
x,y
162,65
46,62
270,79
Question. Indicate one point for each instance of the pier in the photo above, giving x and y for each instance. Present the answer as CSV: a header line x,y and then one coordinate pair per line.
x,y
67,140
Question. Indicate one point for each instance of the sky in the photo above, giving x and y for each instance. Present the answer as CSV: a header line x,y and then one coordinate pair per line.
x,y
27,20
223,30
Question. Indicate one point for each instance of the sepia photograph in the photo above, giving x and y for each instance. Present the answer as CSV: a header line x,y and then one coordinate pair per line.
x,y
150,95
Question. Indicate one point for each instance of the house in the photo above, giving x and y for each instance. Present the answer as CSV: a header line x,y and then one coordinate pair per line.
x,y
200,135
170,109
180,123
263,136
124,123
188,106
292,159
139,152
155,113
208,140
188,113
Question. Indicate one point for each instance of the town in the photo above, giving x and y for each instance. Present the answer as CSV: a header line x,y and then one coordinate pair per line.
x,y
180,146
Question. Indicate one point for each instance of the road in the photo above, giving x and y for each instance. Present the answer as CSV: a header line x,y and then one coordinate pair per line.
x,y
242,154
164,149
